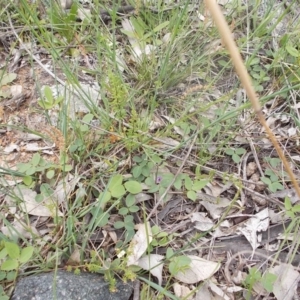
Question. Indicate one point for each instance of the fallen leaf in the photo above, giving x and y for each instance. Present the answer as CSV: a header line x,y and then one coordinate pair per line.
x,y
5,183
16,90
285,287
214,205
258,223
216,188
181,291
139,48
141,197
177,129
202,222
65,187
139,243
219,293
199,269
84,14
74,259
204,293
210,291
18,228
47,207
11,148
153,263
34,147
291,193
30,137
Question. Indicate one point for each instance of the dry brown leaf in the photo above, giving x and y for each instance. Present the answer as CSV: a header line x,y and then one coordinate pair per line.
x,y
210,290
201,221
153,264
251,168
199,269
138,50
285,287
139,243
11,148
216,188
65,187
254,225
215,206
181,291
47,208
74,259
18,228
177,129
16,90
291,193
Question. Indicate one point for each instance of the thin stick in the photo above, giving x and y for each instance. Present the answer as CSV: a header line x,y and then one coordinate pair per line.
x,y
246,81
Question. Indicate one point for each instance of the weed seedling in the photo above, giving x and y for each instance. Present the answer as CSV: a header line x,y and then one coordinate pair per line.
x,y
235,154
272,181
12,257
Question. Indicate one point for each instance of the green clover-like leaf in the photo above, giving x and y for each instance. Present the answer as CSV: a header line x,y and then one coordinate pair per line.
x,y
133,187
118,191
119,224
123,211
26,254
199,184
9,264
192,195
134,208
130,200
13,250
116,180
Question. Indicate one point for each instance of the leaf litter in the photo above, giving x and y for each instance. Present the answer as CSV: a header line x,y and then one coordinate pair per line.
x,y
235,181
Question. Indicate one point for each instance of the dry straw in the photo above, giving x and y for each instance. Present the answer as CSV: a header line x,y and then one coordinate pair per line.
x,y
246,81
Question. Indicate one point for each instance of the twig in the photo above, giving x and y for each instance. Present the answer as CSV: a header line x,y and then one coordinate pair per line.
x,y
160,200
255,156
268,198
230,261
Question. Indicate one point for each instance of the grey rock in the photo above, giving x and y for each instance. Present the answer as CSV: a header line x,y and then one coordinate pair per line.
x,y
63,285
